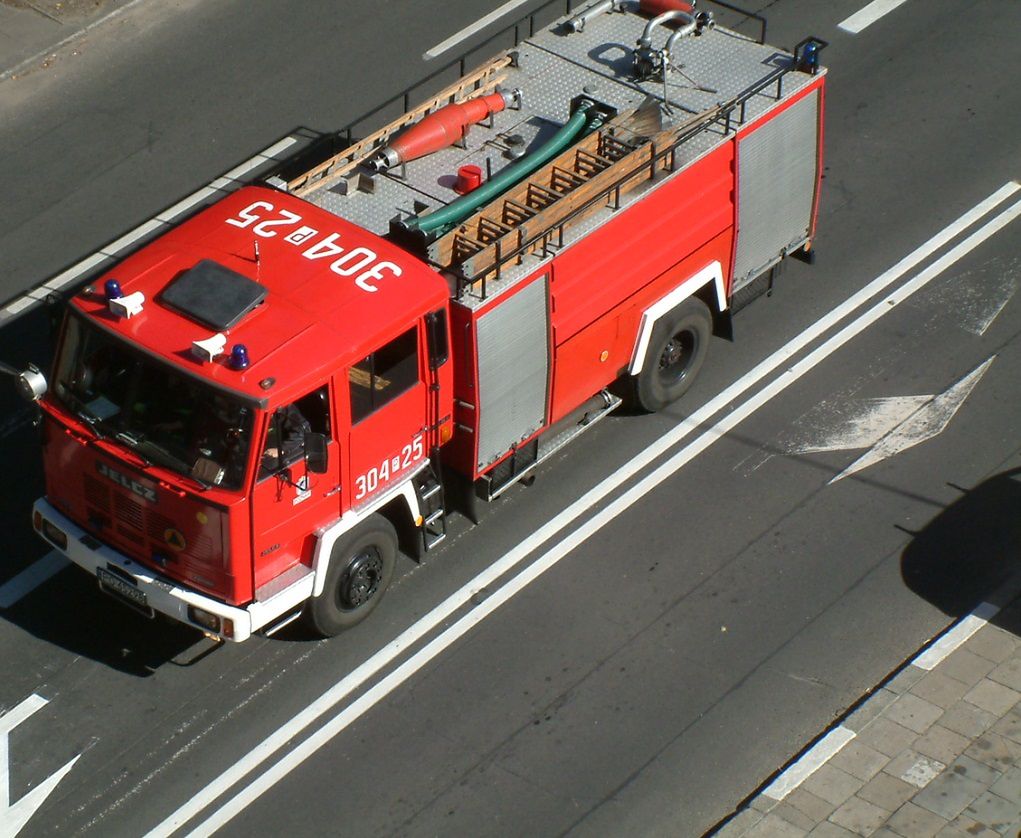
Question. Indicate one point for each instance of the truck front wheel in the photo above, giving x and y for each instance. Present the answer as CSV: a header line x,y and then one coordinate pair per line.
x,y
361,566
676,351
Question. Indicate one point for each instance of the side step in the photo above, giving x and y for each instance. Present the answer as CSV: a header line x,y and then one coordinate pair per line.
x,y
429,489
502,477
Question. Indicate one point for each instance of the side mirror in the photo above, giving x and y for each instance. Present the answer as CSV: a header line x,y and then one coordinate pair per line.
x,y
436,333
316,456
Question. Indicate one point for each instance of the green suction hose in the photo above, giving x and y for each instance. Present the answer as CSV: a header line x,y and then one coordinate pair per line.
x,y
456,211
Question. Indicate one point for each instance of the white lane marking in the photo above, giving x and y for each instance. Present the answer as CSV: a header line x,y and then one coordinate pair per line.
x,y
31,578
14,817
810,762
227,181
925,423
869,15
953,639
319,738
471,29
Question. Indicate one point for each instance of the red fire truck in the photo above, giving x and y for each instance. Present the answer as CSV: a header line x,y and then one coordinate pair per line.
x,y
251,415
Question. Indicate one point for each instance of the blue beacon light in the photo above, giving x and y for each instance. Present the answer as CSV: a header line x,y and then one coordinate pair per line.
x,y
239,357
112,289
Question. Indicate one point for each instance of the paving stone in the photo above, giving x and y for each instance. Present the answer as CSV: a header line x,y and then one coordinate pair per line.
x,y
995,750
1009,785
913,821
967,827
859,760
996,698
941,744
915,768
905,679
949,794
815,807
966,667
967,719
792,814
886,832
860,816
830,830
1009,725
887,791
940,689
993,643
994,811
738,825
876,704
951,831
915,713
832,785
888,737
773,827
1008,673
965,766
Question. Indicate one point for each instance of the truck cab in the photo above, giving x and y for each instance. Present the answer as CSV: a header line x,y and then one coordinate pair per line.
x,y
259,378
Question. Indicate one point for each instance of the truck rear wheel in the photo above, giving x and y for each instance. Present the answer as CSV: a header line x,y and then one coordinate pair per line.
x,y
361,566
677,348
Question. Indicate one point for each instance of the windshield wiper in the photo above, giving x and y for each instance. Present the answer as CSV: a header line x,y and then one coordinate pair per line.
x,y
133,442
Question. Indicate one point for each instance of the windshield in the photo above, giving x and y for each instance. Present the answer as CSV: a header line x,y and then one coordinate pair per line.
x,y
160,413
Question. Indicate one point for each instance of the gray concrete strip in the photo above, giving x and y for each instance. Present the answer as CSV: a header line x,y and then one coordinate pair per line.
x,y
31,33
955,767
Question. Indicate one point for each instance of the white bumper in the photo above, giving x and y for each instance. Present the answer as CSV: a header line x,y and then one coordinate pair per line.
x,y
161,594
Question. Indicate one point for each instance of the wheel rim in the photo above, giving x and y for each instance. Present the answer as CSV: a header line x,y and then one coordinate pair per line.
x,y
361,579
676,357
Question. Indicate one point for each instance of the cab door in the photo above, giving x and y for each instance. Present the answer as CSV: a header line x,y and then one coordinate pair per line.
x,y
389,402
289,501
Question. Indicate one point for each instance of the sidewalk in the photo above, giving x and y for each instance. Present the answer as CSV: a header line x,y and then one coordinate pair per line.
x,y
936,751
32,30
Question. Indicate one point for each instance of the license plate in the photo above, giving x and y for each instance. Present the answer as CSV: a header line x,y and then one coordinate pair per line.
x,y
124,591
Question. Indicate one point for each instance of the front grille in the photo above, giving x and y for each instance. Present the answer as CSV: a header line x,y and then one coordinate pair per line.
x,y
128,511
97,493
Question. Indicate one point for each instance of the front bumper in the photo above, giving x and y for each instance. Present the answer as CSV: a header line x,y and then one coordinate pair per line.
x,y
160,594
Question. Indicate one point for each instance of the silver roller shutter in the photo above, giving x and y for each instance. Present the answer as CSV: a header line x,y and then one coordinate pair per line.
x,y
777,165
513,344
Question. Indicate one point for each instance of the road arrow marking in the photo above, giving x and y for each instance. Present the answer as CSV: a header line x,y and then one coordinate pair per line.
x,y
14,817
891,425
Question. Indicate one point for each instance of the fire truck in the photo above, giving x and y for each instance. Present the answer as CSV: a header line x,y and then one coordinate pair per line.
x,y
250,416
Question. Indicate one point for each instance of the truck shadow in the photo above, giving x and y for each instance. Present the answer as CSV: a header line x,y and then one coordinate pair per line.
x,y
971,551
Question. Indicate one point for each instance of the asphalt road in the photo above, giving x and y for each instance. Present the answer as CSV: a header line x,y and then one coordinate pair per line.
x,y
668,662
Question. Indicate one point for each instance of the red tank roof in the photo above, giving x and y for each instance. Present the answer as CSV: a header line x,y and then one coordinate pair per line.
x,y
333,290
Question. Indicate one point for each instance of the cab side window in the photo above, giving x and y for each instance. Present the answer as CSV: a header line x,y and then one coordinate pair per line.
x,y
382,376
285,439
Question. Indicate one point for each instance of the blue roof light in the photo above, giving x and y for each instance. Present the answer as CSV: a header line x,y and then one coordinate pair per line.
x,y
112,288
239,357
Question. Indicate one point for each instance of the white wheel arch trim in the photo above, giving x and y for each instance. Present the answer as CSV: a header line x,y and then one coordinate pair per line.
x,y
327,537
712,272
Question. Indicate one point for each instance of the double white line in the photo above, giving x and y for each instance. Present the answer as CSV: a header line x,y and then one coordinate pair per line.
x,y
232,180
462,599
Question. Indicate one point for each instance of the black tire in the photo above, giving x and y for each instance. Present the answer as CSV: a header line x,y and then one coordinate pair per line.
x,y
362,564
677,348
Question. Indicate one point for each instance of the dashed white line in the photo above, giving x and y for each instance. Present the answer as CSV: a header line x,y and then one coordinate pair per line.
x,y
953,639
31,578
810,762
459,599
869,15
471,29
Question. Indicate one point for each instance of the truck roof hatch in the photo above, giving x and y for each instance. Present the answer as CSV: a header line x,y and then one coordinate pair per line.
x,y
213,295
